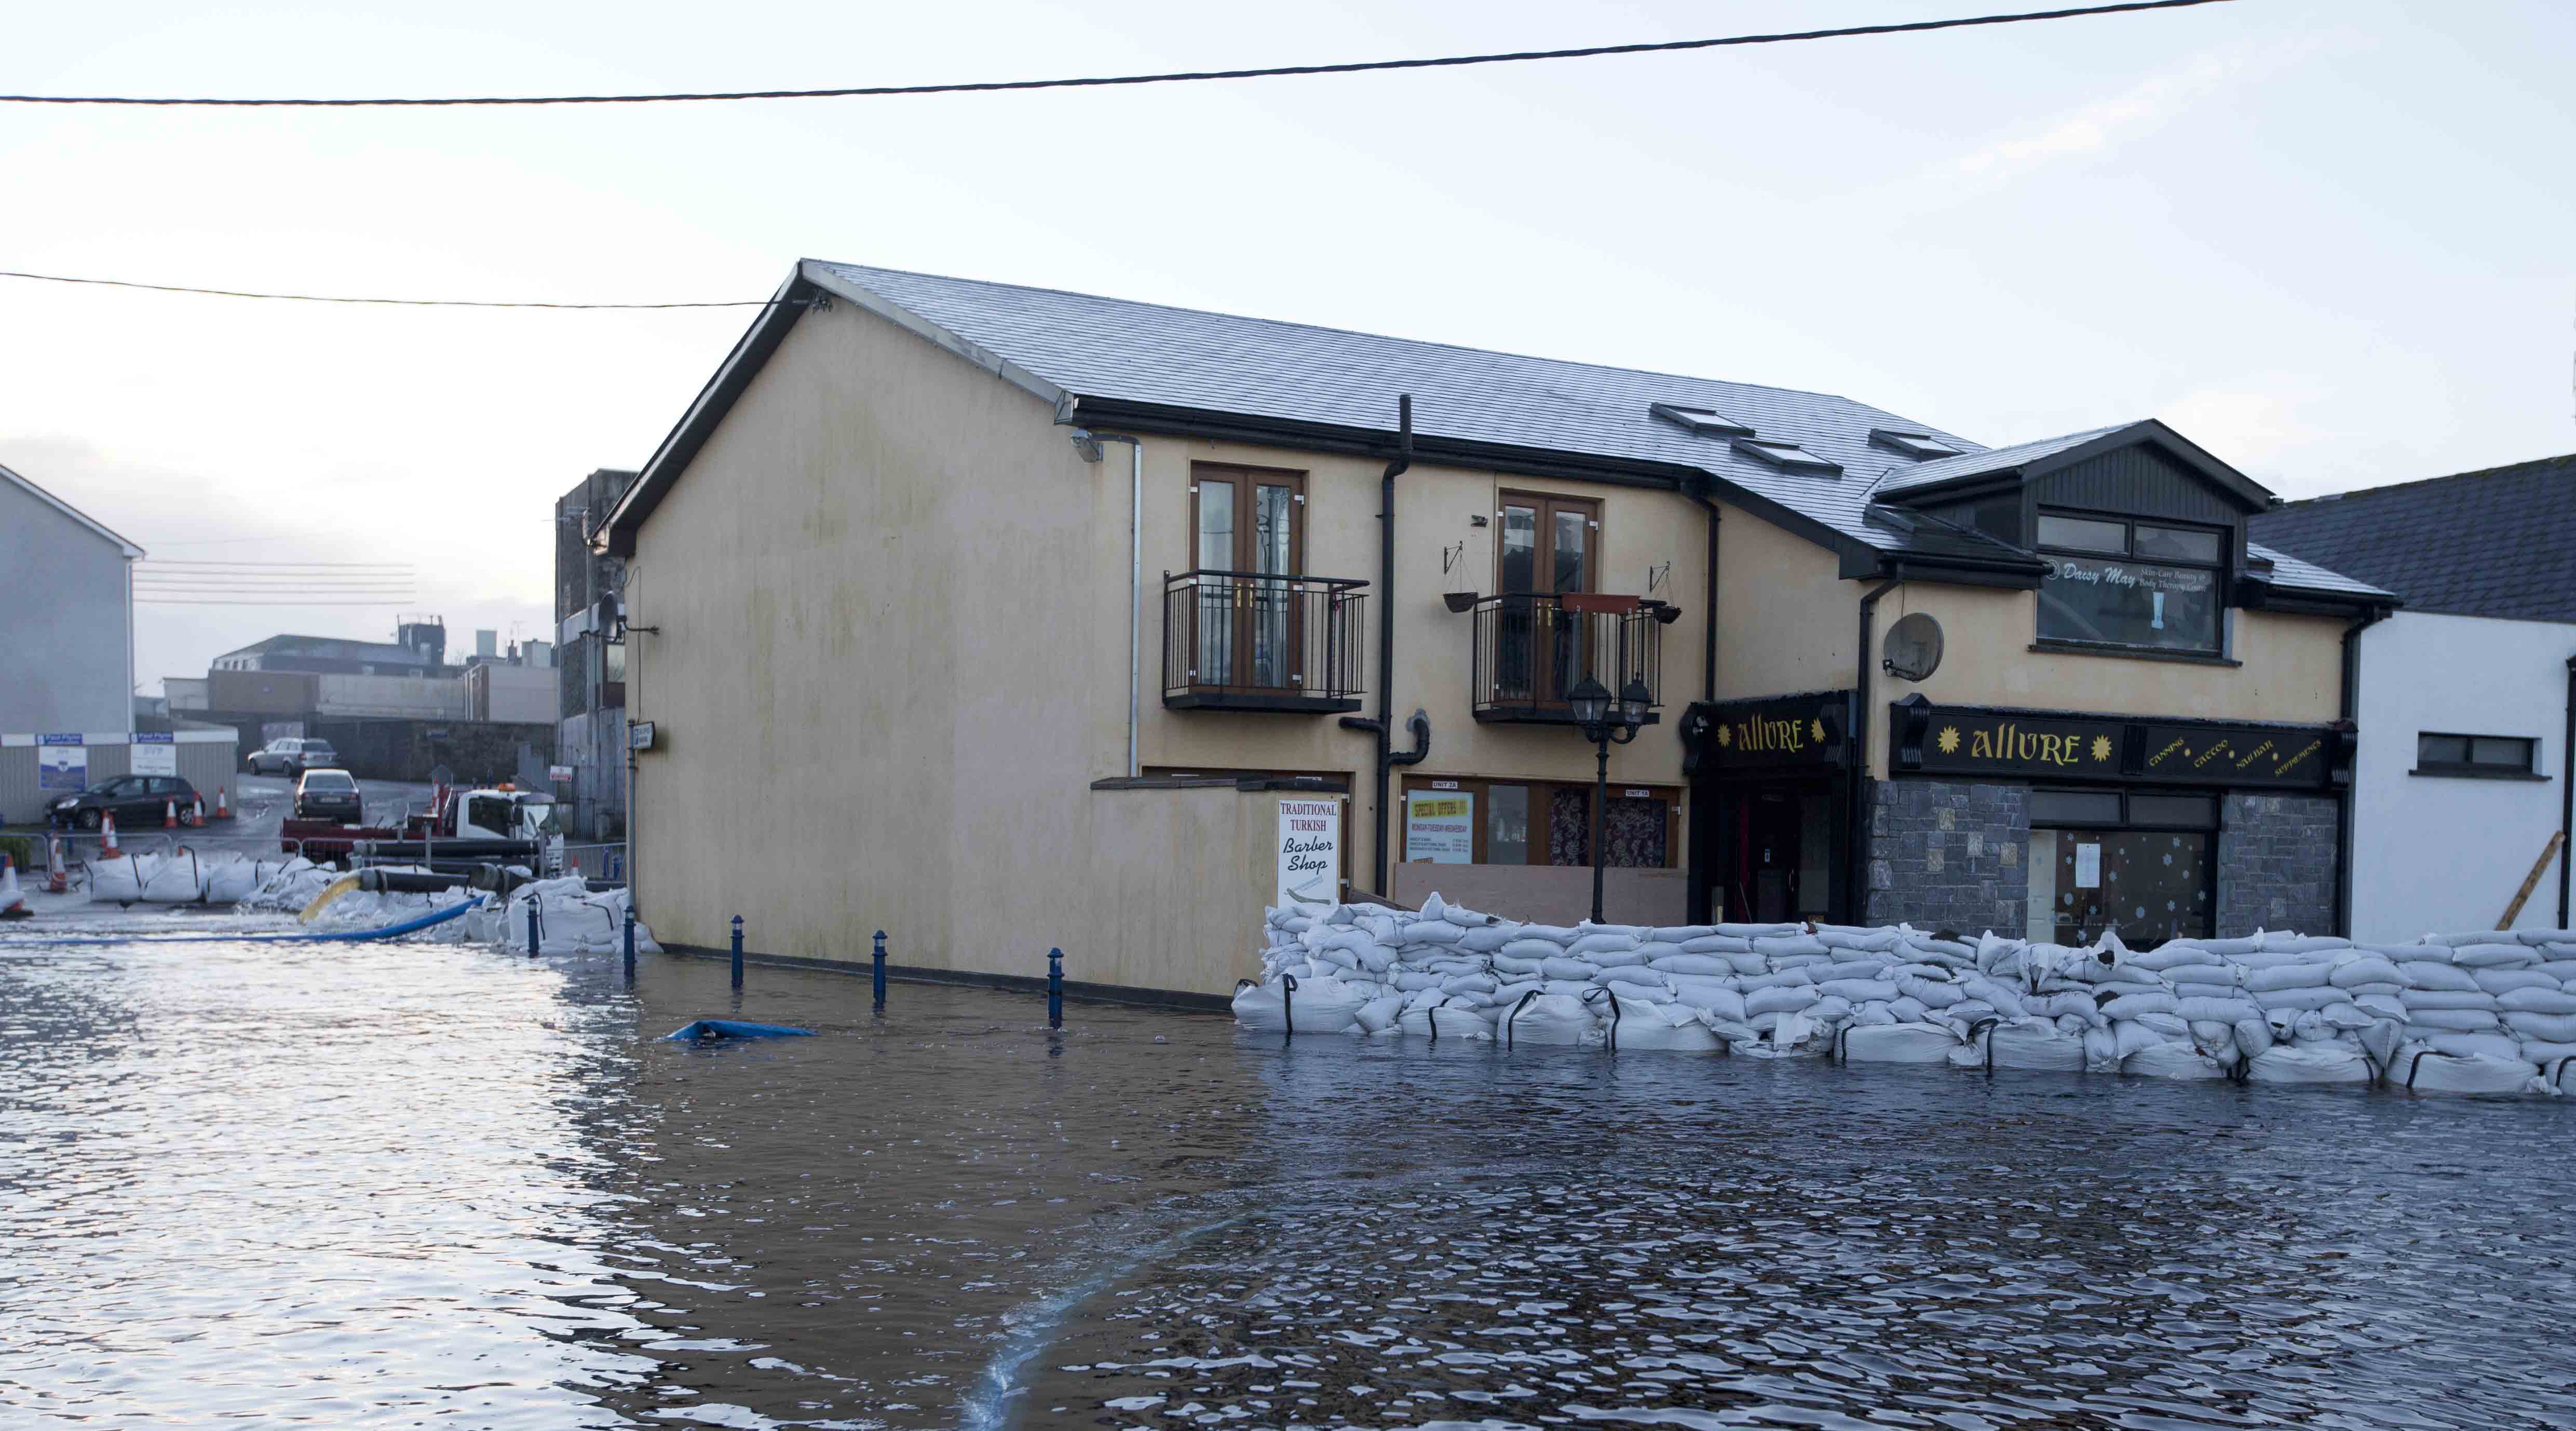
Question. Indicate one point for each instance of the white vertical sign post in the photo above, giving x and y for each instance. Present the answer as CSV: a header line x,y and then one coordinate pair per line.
x,y
1310,852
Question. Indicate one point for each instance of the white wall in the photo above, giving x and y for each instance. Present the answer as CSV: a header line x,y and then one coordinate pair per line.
x,y
66,633
2445,853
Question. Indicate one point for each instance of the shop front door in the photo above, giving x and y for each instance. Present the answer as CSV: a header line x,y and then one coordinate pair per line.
x,y
1776,853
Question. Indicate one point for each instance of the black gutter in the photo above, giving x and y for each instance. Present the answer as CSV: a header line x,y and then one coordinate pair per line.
x,y
1708,656
2350,712
1856,753
2567,800
1383,723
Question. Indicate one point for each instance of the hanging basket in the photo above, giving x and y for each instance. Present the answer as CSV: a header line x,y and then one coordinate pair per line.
x,y
1461,602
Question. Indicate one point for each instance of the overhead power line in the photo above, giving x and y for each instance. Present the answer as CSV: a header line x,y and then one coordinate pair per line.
x,y
1109,81
394,302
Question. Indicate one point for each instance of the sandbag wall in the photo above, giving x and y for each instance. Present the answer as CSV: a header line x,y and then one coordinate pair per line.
x,y
2485,1012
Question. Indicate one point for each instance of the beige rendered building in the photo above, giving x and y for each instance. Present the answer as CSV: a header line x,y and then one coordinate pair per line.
x,y
1003,618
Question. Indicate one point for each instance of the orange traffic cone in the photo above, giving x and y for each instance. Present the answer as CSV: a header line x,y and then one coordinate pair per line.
x,y
107,849
223,803
169,814
57,879
13,905
197,813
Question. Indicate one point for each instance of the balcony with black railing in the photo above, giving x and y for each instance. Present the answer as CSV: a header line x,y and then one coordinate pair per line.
x,y
1533,650
1247,641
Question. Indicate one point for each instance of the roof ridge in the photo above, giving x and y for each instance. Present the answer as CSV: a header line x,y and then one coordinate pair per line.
x,y
1365,333
2364,493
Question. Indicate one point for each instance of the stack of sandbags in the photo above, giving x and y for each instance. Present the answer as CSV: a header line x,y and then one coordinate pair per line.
x,y
180,876
570,920
2492,1012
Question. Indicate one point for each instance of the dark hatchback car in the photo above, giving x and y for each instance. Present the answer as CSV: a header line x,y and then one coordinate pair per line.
x,y
138,802
329,795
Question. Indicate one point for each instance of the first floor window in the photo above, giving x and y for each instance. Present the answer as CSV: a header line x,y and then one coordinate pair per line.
x,y
2475,755
2122,583
2137,862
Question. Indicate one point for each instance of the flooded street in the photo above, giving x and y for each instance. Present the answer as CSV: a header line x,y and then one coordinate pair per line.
x,y
361,1186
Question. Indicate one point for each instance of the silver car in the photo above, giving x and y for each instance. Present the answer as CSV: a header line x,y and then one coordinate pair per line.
x,y
291,755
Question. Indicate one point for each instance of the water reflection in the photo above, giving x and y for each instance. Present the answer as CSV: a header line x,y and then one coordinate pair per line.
x,y
368,1186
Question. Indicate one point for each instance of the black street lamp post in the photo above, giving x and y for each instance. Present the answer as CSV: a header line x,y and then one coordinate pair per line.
x,y
1604,722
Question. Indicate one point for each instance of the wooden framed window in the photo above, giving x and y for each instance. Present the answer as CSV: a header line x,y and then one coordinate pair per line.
x,y
1503,821
1248,534
1545,547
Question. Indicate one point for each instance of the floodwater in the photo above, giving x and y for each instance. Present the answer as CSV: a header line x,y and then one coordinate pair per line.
x,y
378,1186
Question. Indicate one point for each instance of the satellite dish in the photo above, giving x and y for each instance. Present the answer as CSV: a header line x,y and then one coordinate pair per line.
x,y
1913,647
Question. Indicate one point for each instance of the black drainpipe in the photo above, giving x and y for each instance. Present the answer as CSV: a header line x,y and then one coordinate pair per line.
x,y
2350,711
1383,723
2567,798
1708,658
1856,756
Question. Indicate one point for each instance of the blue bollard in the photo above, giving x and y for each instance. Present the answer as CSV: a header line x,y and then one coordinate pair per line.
x,y
630,944
737,951
880,959
532,926
1055,988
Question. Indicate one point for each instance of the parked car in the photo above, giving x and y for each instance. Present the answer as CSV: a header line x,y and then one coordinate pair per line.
x,y
329,795
289,754
137,801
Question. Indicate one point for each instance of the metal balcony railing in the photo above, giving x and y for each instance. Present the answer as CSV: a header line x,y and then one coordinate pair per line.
x,y
1246,641
1532,650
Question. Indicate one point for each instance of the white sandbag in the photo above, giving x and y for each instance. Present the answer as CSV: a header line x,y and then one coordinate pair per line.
x,y
2300,999
2537,1001
177,878
1571,988
1412,982
2172,1060
2130,1006
2289,976
1717,944
2225,1011
2494,956
2300,943
1561,967
2253,1036
2500,981
1487,939
2450,999
2563,970
2345,1018
2224,976
2101,1051
118,880
1641,955
2543,938
1607,942
2460,1020
2361,967
1544,1019
1680,933
2425,1070
1514,966
2171,955
1318,1006
1641,975
1528,950
2213,1036
2431,974
2309,1063
1624,931
1469,984
1859,991
1445,1021
1797,978
1896,1043
2554,1028
1909,1010
1711,994
1660,1026
1788,946
2033,1044
1439,935
1778,1000
2380,1006
1829,1011
2003,1000
1379,1015
2474,1045
1712,965
2129,1036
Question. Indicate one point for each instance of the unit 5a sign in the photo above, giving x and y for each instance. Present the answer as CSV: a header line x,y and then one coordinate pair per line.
x,y
1310,852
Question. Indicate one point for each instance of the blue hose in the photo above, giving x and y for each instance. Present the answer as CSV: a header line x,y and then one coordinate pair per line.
x,y
339,937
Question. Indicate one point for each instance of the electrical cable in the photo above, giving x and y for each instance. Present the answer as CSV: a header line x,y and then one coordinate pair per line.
x,y
392,302
1106,81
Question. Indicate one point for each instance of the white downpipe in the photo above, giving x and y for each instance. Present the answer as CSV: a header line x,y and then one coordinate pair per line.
x,y
1087,443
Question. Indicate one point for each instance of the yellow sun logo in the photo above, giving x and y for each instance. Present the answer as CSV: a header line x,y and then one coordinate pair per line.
x,y
1816,730
2101,747
1725,735
1949,741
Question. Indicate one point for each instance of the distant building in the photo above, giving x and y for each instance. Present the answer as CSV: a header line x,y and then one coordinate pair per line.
x,y
591,659
68,612
339,656
2467,697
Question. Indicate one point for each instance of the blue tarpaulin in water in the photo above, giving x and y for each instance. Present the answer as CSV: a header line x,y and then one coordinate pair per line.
x,y
736,1028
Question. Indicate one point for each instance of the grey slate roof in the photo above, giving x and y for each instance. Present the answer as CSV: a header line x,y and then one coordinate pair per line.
x,y
1996,459
1114,348
2496,542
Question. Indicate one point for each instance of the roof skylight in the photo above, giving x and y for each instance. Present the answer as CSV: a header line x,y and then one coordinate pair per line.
x,y
1917,445
1787,456
1707,422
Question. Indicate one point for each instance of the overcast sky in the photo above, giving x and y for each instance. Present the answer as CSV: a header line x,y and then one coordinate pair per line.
x,y
2327,239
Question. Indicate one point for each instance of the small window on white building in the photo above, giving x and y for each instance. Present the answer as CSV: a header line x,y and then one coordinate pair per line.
x,y
2477,757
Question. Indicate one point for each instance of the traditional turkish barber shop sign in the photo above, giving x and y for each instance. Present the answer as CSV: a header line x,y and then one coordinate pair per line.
x,y
1773,733
2048,745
